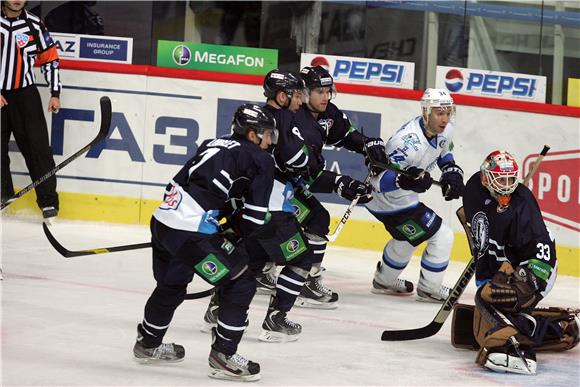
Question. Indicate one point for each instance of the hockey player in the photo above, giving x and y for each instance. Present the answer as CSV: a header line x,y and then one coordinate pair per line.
x,y
322,123
186,241
416,147
515,266
284,243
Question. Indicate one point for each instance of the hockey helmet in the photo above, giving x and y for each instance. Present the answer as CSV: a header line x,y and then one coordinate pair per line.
x,y
499,174
439,98
256,118
318,76
280,80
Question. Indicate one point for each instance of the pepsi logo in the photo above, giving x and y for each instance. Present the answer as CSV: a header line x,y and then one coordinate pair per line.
x,y
454,80
320,61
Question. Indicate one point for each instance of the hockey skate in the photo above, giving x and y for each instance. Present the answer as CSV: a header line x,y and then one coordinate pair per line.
x,y
398,287
277,327
438,296
49,214
315,295
266,280
504,359
234,367
211,314
165,353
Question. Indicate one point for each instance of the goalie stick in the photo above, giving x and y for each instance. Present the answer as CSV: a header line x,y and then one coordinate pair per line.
x,y
434,326
103,131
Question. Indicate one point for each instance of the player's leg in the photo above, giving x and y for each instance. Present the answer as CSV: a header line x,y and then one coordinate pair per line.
x,y
396,256
434,262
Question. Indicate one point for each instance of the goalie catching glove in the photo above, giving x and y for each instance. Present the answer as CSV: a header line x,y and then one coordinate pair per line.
x,y
349,189
512,291
452,181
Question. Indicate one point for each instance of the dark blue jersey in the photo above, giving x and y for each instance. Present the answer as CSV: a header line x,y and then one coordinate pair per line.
x,y
517,234
222,169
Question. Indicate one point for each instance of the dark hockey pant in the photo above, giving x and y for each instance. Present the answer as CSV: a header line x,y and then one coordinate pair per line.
x,y
24,117
317,223
174,268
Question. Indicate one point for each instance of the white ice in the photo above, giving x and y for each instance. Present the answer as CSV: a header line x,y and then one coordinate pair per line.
x,y
72,322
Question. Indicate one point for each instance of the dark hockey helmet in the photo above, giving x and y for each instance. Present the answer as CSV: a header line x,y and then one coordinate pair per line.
x,y
318,76
254,117
280,80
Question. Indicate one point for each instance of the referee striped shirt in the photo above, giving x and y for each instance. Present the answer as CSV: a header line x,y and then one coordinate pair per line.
x,y
24,41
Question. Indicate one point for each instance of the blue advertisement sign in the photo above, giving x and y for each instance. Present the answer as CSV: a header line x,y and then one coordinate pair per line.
x,y
101,48
338,160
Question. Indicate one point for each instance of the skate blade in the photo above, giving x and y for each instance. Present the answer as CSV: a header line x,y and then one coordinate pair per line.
x,y
223,375
389,292
429,300
312,304
265,292
148,361
516,368
276,337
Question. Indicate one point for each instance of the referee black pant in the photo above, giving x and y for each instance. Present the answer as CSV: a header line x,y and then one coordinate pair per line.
x,y
24,117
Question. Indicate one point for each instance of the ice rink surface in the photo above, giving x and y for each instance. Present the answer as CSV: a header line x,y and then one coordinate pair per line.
x,y
72,322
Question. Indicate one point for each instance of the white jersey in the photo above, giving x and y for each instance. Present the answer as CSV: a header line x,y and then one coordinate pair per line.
x,y
409,147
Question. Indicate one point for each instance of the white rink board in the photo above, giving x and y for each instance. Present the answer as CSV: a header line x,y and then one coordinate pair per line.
x,y
140,101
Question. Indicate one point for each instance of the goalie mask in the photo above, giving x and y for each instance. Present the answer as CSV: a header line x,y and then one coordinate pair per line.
x,y
499,174
256,118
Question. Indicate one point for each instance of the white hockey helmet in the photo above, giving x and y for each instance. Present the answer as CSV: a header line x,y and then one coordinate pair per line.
x,y
499,174
439,98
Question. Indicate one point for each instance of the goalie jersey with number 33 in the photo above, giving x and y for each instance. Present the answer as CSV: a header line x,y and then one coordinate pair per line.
x,y
516,234
409,147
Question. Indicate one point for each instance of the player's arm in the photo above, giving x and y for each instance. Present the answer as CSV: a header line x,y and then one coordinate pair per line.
x,y
344,134
258,194
416,179
452,186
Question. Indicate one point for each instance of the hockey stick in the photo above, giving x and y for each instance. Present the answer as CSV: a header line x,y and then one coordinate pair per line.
x,y
334,236
103,250
103,131
79,253
434,326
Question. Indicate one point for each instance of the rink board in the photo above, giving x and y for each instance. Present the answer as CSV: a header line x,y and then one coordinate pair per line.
x,y
159,120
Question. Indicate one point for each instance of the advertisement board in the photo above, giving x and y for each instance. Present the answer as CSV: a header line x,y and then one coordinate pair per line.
x,y
214,57
94,48
364,71
495,84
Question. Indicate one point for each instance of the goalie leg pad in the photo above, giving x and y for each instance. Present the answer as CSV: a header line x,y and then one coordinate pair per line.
x,y
557,329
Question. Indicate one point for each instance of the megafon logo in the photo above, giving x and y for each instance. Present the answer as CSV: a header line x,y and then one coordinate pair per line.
x,y
454,80
181,55
556,186
320,61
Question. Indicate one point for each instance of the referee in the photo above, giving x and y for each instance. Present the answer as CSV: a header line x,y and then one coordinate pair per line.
x,y
24,41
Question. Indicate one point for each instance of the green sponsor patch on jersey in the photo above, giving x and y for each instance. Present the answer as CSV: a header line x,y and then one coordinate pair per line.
x,y
540,269
411,230
211,268
300,209
293,247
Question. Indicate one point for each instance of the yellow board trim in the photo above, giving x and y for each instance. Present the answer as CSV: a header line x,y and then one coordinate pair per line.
x,y
115,209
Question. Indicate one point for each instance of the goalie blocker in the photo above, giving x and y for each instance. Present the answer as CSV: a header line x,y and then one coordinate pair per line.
x,y
556,329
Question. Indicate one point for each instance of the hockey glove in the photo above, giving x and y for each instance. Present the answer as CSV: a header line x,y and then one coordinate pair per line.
x,y
452,181
416,180
512,293
349,189
375,151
